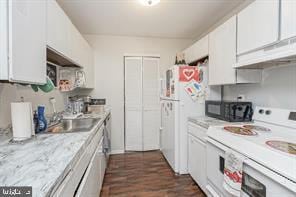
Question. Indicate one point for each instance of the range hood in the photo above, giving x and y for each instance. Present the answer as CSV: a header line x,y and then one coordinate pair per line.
x,y
281,53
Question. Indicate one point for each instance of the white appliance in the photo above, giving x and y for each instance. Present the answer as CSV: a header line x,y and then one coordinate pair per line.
x,y
269,145
176,106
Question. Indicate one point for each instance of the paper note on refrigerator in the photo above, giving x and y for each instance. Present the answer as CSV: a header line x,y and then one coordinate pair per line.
x,y
195,90
188,73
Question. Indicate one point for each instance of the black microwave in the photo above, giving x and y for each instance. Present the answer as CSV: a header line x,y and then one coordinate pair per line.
x,y
231,111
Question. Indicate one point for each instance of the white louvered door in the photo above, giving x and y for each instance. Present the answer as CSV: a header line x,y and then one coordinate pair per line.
x,y
151,104
133,104
142,108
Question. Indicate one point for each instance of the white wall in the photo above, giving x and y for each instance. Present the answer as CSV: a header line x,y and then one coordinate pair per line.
x,y
12,93
109,70
278,89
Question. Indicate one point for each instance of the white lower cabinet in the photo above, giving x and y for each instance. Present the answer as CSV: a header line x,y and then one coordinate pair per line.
x,y
197,154
197,161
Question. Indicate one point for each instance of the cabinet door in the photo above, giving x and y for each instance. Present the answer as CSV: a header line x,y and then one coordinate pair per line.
x,y
198,50
197,161
257,25
57,28
75,44
222,54
3,40
27,41
188,54
89,69
201,48
88,64
288,19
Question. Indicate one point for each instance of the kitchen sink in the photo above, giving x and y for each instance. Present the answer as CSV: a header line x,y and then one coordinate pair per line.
x,y
73,125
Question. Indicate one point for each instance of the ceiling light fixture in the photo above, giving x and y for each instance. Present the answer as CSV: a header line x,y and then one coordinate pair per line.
x,y
149,2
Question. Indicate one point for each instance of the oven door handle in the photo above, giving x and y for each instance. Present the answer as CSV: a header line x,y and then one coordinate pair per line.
x,y
217,144
271,174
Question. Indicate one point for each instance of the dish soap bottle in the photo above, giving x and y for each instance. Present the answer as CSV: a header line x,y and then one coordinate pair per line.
x,y
42,123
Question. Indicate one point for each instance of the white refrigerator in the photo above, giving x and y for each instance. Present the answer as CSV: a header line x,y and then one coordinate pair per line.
x,y
183,93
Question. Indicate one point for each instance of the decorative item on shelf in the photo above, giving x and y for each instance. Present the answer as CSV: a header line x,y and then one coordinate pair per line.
x,y
67,79
65,85
79,79
180,59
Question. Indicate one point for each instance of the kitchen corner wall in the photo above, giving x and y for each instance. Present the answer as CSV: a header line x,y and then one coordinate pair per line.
x,y
12,93
278,88
109,71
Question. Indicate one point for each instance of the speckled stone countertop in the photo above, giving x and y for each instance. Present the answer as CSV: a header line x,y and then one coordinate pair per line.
x,y
206,122
43,161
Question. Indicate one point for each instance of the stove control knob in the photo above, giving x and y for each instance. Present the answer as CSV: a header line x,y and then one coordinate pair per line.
x,y
261,111
267,112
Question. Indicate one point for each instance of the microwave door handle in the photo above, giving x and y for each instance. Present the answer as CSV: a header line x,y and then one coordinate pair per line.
x,y
234,108
246,112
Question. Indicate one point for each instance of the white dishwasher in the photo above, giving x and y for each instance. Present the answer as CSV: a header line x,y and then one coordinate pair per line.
x,y
197,154
93,178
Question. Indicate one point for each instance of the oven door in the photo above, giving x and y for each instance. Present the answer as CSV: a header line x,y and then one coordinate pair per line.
x,y
258,181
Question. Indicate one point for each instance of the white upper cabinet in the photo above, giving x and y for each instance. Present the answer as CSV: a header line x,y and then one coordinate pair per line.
x,y
288,19
222,53
4,40
198,50
57,28
88,68
222,58
258,25
24,51
65,39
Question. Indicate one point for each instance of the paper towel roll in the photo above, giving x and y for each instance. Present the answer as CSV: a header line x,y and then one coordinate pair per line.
x,y
22,120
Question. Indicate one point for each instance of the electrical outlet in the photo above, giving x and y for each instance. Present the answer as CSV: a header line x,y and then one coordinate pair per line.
x,y
241,97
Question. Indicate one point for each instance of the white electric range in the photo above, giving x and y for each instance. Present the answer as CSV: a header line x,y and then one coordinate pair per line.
x,y
269,146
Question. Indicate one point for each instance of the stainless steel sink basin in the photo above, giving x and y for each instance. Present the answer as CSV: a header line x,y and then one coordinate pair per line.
x,y
74,125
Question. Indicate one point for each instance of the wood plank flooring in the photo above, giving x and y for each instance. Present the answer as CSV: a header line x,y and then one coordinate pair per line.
x,y
145,174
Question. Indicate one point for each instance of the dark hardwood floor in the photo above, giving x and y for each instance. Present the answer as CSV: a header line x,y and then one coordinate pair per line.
x,y
145,174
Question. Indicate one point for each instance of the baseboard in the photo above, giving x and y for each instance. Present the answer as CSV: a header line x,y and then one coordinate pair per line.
x,y
114,152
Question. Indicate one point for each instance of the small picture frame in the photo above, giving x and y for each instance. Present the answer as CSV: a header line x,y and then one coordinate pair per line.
x,y
52,73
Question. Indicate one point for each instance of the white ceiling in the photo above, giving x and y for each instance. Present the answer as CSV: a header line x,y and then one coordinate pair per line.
x,y
170,18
